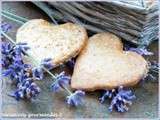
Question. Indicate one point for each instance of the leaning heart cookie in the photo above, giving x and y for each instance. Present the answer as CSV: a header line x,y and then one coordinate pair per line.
x,y
59,42
103,64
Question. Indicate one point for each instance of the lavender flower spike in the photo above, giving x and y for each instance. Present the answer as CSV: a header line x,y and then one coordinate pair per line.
x,y
37,73
6,48
47,63
28,89
75,99
21,48
107,94
61,81
120,99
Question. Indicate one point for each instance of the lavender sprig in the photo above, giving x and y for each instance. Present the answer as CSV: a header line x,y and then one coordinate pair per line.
x,y
21,48
47,63
75,99
19,73
10,53
37,73
107,94
15,72
15,68
5,27
61,81
120,99
6,48
27,89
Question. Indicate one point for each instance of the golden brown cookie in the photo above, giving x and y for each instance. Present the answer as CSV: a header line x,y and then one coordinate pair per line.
x,y
59,42
103,64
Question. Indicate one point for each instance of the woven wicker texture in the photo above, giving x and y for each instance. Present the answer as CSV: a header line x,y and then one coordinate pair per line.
x,y
132,20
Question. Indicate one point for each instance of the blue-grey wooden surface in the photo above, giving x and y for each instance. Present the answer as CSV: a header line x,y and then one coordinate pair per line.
x,y
145,106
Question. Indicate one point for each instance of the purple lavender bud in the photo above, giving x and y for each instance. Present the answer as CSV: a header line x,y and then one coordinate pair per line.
x,y
110,108
61,81
17,67
55,87
21,48
12,70
141,51
75,99
107,94
7,72
6,52
119,107
6,48
28,89
123,97
18,95
104,97
27,67
71,63
37,73
47,63
5,62
18,59
5,27
126,94
23,76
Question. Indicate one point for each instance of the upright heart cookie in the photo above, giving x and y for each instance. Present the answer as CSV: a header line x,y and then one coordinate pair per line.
x,y
103,64
59,42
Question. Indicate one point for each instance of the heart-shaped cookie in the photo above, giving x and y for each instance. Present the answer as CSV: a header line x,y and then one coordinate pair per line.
x,y
59,42
103,64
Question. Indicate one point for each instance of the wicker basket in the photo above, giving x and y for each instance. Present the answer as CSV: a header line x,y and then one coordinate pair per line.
x,y
133,20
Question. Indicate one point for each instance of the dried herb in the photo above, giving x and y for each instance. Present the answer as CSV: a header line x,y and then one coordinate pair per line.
x,y
120,99
75,99
15,68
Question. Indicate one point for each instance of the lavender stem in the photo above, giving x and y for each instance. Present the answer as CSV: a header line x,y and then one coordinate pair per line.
x,y
13,19
15,16
67,90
